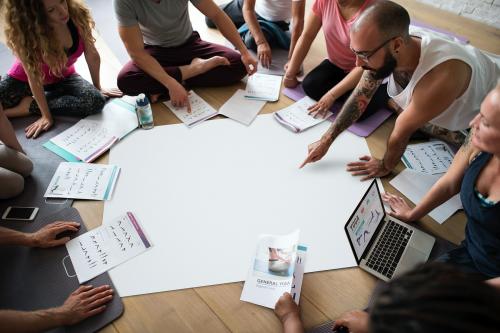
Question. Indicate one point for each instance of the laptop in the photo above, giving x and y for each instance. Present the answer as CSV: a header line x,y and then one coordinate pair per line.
x,y
383,245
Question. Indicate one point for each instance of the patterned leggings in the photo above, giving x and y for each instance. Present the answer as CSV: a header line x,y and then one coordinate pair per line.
x,y
72,96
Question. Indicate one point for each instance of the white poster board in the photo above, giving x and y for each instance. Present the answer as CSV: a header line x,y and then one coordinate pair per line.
x,y
205,194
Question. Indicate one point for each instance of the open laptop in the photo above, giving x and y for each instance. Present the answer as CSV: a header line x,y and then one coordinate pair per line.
x,y
383,245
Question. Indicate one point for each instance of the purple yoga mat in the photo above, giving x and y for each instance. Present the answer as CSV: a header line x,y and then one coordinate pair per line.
x,y
362,128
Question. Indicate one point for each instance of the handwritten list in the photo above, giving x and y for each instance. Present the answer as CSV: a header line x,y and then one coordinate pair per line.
x,y
74,180
263,87
431,158
200,110
296,117
105,247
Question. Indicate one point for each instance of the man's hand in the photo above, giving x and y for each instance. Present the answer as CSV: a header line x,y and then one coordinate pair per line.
x,y
322,106
399,207
111,92
249,62
178,95
355,321
264,53
317,150
369,167
84,302
46,236
41,125
286,307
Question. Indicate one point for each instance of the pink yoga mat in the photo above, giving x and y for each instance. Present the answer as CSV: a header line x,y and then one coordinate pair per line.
x,y
362,128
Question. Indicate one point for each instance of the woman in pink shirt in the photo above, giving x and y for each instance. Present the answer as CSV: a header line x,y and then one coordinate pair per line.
x,y
334,78
47,38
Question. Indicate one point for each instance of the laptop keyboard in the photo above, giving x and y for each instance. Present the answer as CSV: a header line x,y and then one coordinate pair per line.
x,y
389,249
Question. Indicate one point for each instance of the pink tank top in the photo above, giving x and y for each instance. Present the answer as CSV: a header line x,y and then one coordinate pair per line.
x,y
17,70
336,30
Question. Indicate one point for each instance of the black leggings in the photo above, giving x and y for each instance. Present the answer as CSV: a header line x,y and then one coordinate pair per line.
x,y
326,75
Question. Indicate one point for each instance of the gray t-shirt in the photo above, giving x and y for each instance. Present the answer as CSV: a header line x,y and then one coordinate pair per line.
x,y
165,23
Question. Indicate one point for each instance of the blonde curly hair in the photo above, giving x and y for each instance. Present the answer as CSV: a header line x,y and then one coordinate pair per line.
x,y
29,34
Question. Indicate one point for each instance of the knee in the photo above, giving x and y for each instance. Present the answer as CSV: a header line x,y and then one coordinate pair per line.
x,y
95,101
25,166
12,185
250,41
310,88
126,83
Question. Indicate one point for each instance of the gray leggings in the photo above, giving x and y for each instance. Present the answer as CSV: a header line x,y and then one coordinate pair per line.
x,y
14,166
72,96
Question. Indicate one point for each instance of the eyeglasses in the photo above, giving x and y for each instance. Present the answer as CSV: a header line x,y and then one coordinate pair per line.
x,y
366,55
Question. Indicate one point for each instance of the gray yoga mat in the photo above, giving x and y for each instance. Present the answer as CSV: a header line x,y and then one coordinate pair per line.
x,y
45,164
33,278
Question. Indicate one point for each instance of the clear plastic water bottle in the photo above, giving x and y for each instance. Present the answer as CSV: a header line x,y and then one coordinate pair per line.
x,y
144,112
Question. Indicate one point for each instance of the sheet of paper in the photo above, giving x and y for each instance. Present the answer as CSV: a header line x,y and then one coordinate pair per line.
x,y
263,87
296,116
252,172
240,108
93,135
107,246
75,180
200,110
431,158
298,275
414,185
272,269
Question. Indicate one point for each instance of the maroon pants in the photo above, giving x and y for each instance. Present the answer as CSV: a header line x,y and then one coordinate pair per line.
x,y
132,80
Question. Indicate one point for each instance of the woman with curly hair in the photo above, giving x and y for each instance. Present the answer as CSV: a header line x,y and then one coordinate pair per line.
x,y
47,38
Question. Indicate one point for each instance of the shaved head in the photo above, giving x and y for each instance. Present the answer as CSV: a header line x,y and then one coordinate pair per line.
x,y
390,19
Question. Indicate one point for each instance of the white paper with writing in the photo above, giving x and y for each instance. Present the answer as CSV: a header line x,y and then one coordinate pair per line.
x,y
107,246
272,270
263,87
241,109
200,110
432,157
296,117
414,185
93,135
75,180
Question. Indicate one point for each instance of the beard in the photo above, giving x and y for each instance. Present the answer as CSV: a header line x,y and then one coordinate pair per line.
x,y
387,68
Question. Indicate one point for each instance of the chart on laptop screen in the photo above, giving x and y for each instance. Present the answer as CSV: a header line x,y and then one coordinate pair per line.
x,y
365,220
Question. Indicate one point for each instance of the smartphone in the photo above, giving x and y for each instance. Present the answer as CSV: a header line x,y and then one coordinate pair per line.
x,y
20,213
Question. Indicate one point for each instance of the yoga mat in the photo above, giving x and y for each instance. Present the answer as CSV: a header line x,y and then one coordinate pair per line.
x,y
458,38
33,278
210,191
45,164
361,128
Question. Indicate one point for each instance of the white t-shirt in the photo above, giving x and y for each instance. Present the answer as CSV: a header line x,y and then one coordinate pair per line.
x,y
275,10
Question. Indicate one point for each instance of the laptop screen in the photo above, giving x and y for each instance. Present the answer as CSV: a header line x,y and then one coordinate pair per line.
x,y
364,221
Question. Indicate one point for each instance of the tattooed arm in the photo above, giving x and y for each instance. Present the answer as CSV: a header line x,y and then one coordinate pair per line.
x,y
445,188
351,111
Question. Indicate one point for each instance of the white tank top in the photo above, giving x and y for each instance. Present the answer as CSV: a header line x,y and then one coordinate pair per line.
x,y
275,10
436,50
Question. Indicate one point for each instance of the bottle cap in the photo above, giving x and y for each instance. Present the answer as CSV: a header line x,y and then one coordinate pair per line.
x,y
142,100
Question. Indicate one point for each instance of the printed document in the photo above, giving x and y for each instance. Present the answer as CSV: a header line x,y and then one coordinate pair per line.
x,y
263,87
241,109
296,117
431,158
200,110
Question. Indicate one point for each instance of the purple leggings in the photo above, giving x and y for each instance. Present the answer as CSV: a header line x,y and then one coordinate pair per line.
x,y
132,80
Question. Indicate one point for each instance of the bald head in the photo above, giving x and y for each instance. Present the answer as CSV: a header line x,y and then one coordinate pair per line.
x,y
389,18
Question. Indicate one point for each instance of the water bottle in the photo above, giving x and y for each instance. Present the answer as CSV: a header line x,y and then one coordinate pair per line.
x,y
144,112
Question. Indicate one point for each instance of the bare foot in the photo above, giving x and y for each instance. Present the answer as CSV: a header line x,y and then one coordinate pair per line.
x,y
199,66
20,110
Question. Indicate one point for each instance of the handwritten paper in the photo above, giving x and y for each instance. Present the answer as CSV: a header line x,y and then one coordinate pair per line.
x,y
263,87
414,185
241,109
92,136
107,246
200,110
431,158
75,180
296,117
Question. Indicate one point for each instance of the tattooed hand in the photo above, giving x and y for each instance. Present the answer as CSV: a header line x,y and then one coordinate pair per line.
x,y
369,167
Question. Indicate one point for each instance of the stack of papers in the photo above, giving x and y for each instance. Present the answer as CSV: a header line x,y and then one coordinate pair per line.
x,y
92,136
263,87
107,246
296,117
74,180
241,109
277,267
200,110
431,158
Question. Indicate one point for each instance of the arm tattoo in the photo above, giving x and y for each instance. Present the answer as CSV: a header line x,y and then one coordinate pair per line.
x,y
355,104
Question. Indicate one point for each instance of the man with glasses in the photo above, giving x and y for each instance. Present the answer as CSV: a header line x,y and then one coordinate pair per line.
x,y
436,84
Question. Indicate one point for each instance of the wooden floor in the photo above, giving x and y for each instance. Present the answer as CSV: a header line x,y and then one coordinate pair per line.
x,y
325,295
